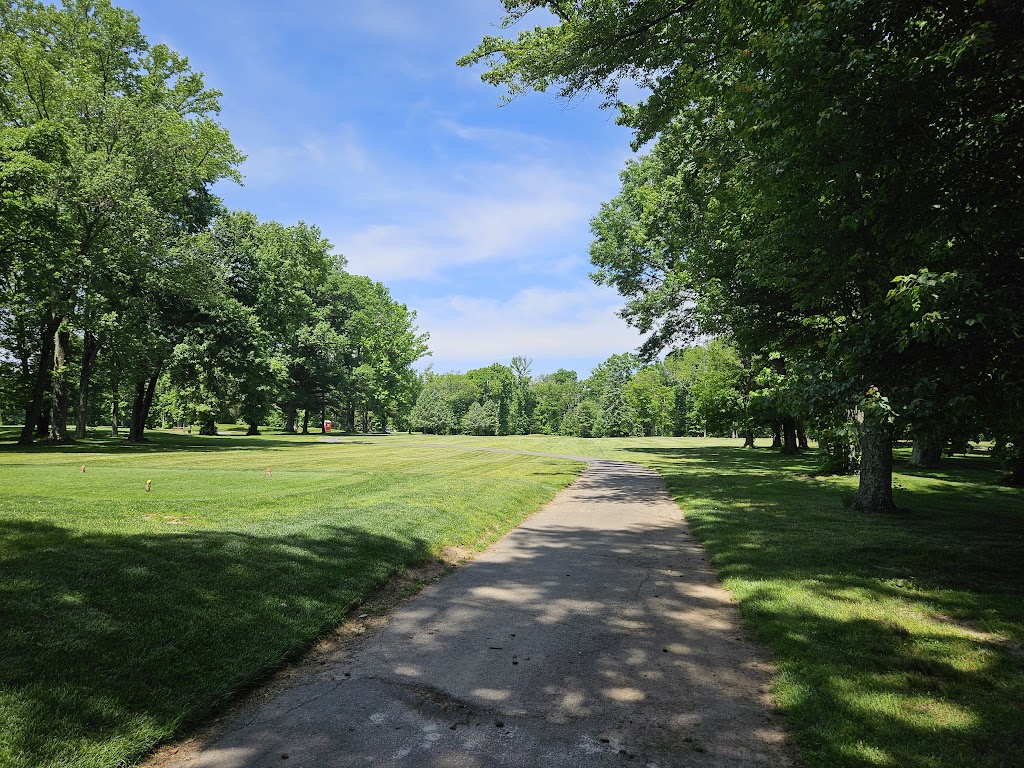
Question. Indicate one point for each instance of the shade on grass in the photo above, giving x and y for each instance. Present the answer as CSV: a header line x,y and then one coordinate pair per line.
x,y
127,614
897,637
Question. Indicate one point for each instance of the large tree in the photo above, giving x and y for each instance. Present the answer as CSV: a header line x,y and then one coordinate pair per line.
x,y
811,154
138,151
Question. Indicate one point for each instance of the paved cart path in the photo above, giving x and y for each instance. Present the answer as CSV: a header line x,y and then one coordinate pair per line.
x,y
595,634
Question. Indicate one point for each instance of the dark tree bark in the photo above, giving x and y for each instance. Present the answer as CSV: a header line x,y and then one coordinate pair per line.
x,y
776,434
254,429
350,425
290,419
1016,469
305,421
89,353
45,412
874,493
801,437
208,427
115,404
323,418
927,450
789,436
59,421
34,407
748,439
144,392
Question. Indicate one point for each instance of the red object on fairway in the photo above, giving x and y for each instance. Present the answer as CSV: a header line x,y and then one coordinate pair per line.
x,y
268,471
83,469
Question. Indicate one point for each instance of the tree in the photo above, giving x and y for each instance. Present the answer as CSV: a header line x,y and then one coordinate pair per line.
x,y
651,399
710,375
138,150
481,419
522,403
609,385
809,156
556,394
431,413
583,420
495,383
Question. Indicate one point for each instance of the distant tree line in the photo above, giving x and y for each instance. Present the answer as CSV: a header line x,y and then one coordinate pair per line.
x,y
702,390
128,295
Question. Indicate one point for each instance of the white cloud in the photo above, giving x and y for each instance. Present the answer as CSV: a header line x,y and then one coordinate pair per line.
x,y
501,139
491,214
315,157
556,328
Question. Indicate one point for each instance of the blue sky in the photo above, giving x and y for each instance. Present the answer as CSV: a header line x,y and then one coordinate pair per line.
x,y
355,118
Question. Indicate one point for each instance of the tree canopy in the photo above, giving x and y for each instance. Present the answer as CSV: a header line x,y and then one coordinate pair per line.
x,y
833,182
121,268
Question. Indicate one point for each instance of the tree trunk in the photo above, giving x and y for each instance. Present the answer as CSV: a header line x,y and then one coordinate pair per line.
x,y
254,429
89,353
927,450
323,419
34,407
748,439
366,421
59,421
350,425
144,392
115,403
874,493
1016,467
305,421
290,419
789,446
801,437
136,414
208,427
776,434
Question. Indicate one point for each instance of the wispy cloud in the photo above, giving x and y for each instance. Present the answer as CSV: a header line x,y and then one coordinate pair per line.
x,y
577,326
498,213
497,138
310,158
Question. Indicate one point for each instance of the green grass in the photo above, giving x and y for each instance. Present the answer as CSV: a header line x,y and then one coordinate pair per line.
x,y
897,638
126,615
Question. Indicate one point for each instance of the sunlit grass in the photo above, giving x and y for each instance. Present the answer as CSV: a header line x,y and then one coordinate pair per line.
x,y
129,613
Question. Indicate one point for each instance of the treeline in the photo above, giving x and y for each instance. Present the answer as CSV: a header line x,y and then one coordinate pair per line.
x,y
128,294
706,389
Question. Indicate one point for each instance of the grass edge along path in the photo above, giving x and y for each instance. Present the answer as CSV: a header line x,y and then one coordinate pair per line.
x,y
129,615
897,638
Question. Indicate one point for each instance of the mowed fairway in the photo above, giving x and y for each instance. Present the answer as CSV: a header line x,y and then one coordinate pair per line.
x,y
127,614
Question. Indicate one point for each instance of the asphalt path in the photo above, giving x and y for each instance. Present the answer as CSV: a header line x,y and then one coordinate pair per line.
x,y
595,634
